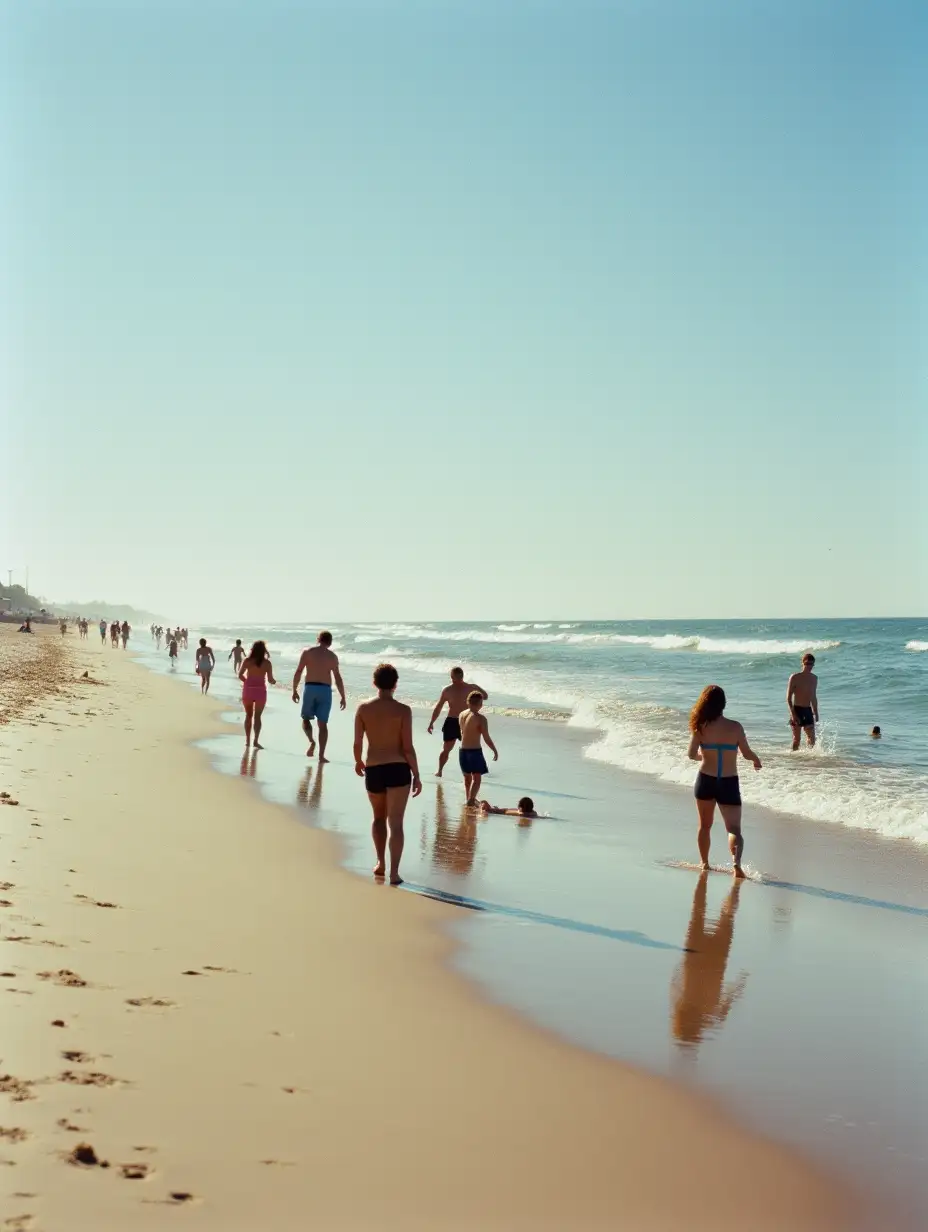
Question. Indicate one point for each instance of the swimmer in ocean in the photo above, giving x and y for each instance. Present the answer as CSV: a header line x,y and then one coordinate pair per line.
x,y
876,734
525,808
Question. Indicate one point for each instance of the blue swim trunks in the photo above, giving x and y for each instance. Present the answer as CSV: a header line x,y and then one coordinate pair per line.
x,y
317,702
472,761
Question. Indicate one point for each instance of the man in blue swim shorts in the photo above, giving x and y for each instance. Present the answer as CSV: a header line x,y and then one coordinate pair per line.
x,y
474,729
320,666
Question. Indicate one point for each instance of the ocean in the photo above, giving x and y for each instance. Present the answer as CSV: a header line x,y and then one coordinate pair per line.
x,y
630,685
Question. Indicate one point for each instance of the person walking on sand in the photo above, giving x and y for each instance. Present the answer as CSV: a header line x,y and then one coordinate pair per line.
x,y
716,742
114,634
474,729
255,674
320,665
802,702
172,651
125,631
102,632
236,654
390,767
455,697
206,661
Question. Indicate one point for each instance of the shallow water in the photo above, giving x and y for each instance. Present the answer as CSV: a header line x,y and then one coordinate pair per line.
x,y
798,998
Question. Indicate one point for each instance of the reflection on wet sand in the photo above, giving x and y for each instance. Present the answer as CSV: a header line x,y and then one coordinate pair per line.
x,y
453,848
249,763
306,798
701,1002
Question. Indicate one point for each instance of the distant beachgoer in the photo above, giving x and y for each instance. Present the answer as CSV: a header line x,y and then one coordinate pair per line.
x,y
876,734
62,627
802,701
103,632
185,634
26,626
114,634
125,631
715,741
255,674
455,697
206,661
525,808
320,664
158,635
390,767
236,654
172,651
474,729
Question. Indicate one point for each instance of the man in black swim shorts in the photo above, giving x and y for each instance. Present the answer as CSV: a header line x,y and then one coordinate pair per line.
x,y
455,695
802,702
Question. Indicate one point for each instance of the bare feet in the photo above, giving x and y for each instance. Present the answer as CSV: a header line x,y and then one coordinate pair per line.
x,y
311,749
705,868
396,879
438,774
323,761
258,746
380,870
739,871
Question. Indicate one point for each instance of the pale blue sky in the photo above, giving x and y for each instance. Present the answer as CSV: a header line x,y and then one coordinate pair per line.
x,y
440,310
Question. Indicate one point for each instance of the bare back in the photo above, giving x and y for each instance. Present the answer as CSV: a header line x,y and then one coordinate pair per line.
x,y
456,696
319,663
803,688
382,720
472,729
720,731
255,671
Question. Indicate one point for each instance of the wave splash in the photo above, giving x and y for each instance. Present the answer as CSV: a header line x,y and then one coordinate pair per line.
x,y
916,646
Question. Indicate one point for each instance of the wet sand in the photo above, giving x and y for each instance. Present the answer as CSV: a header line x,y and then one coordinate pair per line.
x,y
799,998
251,1037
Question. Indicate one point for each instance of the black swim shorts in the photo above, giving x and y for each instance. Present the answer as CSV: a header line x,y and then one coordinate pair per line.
x,y
394,774
451,729
726,790
804,716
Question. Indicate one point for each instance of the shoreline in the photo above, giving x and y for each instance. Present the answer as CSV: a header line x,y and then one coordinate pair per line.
x,y
258,1091
854,869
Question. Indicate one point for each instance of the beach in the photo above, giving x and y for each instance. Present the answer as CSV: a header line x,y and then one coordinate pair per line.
x,y
262,1039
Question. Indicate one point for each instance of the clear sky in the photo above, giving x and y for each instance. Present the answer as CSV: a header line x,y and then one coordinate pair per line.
x,y
446,310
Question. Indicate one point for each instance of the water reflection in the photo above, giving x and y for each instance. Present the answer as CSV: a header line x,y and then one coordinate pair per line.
x,y
249,763
701,1001
454,847
309,792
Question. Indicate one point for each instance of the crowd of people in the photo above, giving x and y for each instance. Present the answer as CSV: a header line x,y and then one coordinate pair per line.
x,y
385,755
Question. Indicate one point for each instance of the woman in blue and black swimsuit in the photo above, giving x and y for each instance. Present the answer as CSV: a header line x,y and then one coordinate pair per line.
x,y
715,742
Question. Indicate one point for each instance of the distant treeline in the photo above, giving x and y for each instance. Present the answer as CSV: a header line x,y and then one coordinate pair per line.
x,y
17,600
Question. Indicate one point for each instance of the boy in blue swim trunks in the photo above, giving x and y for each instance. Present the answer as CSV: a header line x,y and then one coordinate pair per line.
x,y
474,729
321,666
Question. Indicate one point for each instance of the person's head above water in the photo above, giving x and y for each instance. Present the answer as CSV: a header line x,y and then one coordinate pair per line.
x,y
808,660
710,706
526,805
457,674
202,641
475,699
324,638
876,733
386,677
258,653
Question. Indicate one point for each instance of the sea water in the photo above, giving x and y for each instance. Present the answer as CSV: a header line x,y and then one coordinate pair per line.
x,y
631,684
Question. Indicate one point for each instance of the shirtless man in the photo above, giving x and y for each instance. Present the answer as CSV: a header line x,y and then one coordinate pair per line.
x,y
320,665
802,702
103,632
473,763
236,654
455,695
390,768
124,632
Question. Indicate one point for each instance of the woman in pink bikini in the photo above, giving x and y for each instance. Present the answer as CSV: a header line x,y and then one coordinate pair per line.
x,y
255,674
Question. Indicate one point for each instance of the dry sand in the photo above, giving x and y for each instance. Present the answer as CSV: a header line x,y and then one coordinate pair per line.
x,y
276,1042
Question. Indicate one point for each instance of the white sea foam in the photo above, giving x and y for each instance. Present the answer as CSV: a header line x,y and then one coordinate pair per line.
x,y
917,646
520,634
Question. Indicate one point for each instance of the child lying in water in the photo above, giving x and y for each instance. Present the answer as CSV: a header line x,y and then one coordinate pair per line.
x,y
526,808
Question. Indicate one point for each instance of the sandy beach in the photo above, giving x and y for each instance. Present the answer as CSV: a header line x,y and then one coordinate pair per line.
x,y
254,1038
